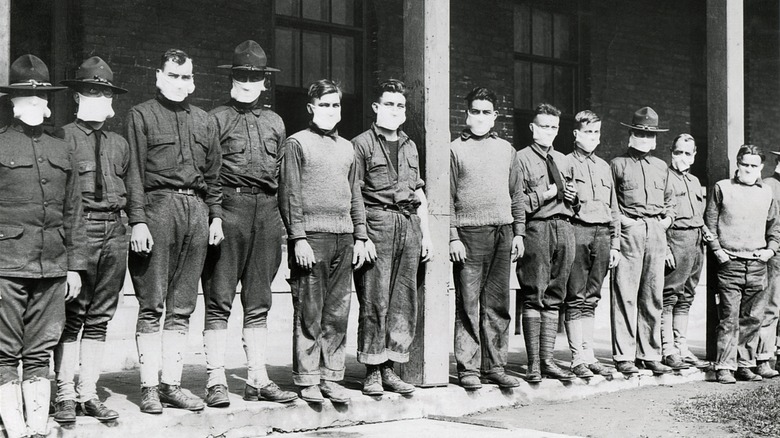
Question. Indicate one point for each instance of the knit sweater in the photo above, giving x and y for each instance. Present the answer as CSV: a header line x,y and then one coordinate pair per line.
x,y
316,186
743,218
482,170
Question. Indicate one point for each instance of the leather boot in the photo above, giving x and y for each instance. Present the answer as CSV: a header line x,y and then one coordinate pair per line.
x,y
372,385
150,400
549,330
149,354
65,360
11,410
173,396
532,326
392,382
215,344
37,395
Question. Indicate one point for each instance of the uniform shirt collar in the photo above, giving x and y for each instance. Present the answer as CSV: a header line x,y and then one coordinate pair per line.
x,y
30,131
581,156
541,150
171,105
255,107
638,155
87,128
402,137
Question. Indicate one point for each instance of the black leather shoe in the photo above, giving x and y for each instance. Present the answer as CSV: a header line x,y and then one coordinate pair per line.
x,y
393,383
626,367
599,369
270,392
503,380
551,370
746,375
217,396
653,365
65,411
173,396
372,385
96,408
582,371
675,362
150,400
534,373
696,362
764,370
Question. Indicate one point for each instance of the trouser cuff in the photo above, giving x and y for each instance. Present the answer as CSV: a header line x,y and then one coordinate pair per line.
x,y
306,379
332,375
373,358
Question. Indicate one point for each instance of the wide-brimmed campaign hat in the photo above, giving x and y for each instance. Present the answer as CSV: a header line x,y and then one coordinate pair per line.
x,y
645,119
28,73
249,56
94,71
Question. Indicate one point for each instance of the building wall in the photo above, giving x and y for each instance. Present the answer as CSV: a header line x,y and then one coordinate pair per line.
x,y
131,36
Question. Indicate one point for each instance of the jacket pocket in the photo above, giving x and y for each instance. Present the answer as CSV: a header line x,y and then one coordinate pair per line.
x,y
161,152
87,176
16,177
12,250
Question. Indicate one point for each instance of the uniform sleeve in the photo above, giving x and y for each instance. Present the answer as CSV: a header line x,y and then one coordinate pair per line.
x,y
517,196
670,201
73,219
290,191
357,209
211,172
614,223
711,215
534,198
134,182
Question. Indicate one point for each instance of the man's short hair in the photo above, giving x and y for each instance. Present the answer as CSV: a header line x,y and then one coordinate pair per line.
x,y
481,93
546,109
585,117
749,149
174,55
685,138
322,87
390,86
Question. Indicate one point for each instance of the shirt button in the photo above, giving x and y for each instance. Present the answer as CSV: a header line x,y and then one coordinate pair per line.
x,y
43,180
45,203
12,163
35,140
40,160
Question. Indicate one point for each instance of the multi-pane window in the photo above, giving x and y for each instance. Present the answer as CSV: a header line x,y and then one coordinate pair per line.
x,y
546,60
316,39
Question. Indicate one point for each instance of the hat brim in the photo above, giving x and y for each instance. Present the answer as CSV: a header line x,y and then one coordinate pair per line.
x,y
249,68
12,88
74,83
645,128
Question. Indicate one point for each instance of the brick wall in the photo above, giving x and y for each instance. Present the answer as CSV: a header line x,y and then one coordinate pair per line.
x,y
131,36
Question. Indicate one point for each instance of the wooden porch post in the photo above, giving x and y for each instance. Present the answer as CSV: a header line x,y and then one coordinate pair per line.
x,y
725,115
426,67
5,40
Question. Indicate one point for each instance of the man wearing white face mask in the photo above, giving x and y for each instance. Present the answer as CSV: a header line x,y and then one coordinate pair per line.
x,y
103,158
173,194
41,248
388,171
646,211
543,272
596,242
743,218
684,256
322,209
487,209
769,336
251,136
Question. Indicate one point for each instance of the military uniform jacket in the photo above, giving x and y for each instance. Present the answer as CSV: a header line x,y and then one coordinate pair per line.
x,y
41,229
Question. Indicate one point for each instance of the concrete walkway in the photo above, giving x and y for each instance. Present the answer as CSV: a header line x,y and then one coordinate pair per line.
x,y
120,388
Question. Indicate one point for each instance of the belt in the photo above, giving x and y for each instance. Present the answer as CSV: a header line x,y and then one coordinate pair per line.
x,y
588,224
101,216
560,217
650,216
252,190
395,208
188,192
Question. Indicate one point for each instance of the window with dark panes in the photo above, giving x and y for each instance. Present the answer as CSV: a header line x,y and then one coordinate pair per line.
x,y
547,65
316,39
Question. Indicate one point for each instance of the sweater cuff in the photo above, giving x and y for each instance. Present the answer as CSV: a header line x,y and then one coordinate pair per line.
x,y
360,232
215,211
297,231
518,229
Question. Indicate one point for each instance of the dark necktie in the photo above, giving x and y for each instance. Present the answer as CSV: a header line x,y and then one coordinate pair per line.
x,y
98,167
555,175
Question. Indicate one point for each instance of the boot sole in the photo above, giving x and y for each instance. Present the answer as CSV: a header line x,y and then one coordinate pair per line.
x,y
219,404
65,420
278,400
171,405
109,418
152,411
403,392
